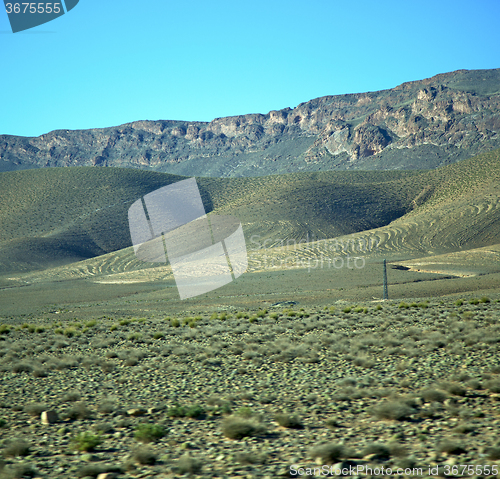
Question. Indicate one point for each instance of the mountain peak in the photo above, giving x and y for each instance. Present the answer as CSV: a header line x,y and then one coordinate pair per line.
x,y
418,124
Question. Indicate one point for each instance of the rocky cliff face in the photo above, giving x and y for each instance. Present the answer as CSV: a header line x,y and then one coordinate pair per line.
x,y
417,124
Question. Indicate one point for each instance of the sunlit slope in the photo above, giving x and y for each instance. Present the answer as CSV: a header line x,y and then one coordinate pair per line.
x,y
56,215
61,215
52,217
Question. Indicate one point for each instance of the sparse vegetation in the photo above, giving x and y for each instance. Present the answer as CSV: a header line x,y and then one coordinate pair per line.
x,y
289,421
86,441
4,329
451,447
194,411
145,456
237,428
189,465
17,447
78,411
379,451
396,410
35,409
149,432
423,348
328,453
434,395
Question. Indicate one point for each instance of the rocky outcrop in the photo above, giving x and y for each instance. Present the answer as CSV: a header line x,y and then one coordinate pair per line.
x,y
455,114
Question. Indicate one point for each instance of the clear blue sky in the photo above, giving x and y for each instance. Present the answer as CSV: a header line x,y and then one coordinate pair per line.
x,y
109,62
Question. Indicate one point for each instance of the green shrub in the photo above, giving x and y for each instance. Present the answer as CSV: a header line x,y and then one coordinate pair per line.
x,y
91,324
473,301
274,316
465,428
493,385
176,411
222,407
103,427
149,432
249,458
35,409
328,453
434,395
468,315
484,299
158,336
17,448
451,447
188,464
125,322
347,310
106,406
69,332
22,368
459,302
79,411
237,428
394,410
244,412
289,421
493,453
90,470
403,305
332,423
144,456
195,411
358,310
72,396
86,441
4,329
93,470
454,388
175,323
380,451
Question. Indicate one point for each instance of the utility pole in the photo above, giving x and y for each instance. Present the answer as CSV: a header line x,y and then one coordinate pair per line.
x,y
386,293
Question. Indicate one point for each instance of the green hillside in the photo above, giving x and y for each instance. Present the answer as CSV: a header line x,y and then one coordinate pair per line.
x,y
55,216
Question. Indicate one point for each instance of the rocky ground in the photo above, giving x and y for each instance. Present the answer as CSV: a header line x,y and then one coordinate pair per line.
x,y
387,384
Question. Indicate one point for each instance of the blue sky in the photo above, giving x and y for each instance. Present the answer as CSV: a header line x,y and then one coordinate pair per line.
x,y
110,62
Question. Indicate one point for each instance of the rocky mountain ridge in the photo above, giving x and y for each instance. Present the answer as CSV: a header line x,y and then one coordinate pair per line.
x,y
420,124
